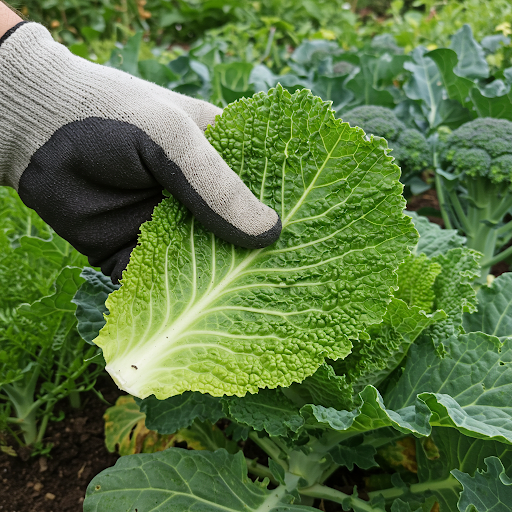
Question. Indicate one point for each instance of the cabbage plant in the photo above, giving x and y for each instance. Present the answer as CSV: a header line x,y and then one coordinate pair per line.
x,y
198,314
349,343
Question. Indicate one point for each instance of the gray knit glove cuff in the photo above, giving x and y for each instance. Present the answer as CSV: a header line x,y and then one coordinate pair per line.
x,y
78,139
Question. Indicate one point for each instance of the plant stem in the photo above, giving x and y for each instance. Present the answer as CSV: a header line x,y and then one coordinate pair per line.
x,y
505,228
22,399
54,392
396,492
460,212
442,202
270,448
489,262
260,470
327,493
270,40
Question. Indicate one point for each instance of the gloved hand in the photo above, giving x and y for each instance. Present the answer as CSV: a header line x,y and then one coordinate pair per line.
x,y
91,149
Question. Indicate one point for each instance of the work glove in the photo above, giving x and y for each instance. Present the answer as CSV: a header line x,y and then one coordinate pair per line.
x,y
91,149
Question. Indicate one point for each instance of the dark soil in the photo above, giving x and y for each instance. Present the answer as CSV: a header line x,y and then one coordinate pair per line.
x,y
426,204
57,483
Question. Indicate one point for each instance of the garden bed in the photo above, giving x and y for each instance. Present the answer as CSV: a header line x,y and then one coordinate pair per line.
x,y
57,483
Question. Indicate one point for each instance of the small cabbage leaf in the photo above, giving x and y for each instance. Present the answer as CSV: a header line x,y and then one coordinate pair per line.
x,y
195,313
486,491
447,450
494,315
188,481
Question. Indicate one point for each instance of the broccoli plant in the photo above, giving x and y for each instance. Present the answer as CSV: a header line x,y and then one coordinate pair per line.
x,y
475,186
410,148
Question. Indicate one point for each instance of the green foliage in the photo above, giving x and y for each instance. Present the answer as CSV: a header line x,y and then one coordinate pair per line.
x,y
426,369
489,490
42,357
447,452
223,320
186,481
434,22
494,304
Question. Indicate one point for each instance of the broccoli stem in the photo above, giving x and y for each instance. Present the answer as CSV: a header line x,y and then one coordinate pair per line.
x,y
479,210
487,204
22,398
443,203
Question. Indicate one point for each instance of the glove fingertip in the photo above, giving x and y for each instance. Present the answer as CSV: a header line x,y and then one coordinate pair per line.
x,y
262,240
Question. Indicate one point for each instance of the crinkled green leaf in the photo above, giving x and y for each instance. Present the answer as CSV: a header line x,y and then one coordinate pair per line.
x,y
170,415
410,321
196,313
371,361
90,303
446,450
370,415
494,315
468,389
487,491
453,291
325,388
471,56
433,239
267,410
416,277
67,283
178,480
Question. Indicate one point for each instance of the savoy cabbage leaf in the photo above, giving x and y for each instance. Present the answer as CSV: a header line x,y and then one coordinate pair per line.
x,y
196,313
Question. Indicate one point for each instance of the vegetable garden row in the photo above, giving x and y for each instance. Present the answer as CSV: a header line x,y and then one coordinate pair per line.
x,y
367,341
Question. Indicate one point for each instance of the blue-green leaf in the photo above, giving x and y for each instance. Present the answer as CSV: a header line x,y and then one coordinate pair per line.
x,y
90,301
178,480
494,315
446,450
489,491
469,388
471,57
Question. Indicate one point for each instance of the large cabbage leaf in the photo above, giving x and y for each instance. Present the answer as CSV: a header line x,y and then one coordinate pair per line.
x,y
196,313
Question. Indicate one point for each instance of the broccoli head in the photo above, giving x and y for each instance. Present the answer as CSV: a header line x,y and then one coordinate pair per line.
x,y
410,148
481,148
